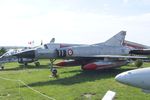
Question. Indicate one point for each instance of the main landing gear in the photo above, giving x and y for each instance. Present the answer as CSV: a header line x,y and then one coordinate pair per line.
x,y
37,64
2,67
52,69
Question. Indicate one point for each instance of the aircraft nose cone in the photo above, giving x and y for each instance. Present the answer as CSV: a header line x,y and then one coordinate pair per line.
x,y
125,78
119,78
26,54
122,78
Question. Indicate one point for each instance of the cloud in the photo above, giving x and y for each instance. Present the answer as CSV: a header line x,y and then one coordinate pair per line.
x,y
73,27
125,1
23,23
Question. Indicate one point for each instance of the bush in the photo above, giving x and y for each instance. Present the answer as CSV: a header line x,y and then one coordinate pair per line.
x,y
2,51
138,63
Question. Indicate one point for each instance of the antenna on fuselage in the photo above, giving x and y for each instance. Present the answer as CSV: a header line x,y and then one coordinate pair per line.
x,y
52,40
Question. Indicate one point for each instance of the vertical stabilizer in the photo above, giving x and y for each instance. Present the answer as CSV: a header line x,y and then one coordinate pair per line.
x,y
116,40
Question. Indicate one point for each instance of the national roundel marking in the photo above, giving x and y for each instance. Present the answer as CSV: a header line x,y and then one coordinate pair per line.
x,y
70,52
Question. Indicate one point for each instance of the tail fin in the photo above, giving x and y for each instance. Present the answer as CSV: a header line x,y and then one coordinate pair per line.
x,y
116,40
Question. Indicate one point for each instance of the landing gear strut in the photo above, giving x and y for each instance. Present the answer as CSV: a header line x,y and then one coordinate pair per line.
x,y
52,69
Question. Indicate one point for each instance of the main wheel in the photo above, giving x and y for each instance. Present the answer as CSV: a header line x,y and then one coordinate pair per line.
x,y
25,64
82,67
2,67
37,64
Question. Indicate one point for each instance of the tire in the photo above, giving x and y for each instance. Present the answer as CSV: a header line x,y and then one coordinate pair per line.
x,y
82,67
2,67
25,64
37,64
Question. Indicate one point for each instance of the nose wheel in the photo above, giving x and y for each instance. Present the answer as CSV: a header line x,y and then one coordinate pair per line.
x,y
52,69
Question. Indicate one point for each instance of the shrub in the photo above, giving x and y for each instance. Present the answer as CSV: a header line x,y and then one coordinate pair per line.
x,y
138,63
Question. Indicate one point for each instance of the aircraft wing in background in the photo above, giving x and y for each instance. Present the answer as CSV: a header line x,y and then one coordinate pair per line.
x,y
140,52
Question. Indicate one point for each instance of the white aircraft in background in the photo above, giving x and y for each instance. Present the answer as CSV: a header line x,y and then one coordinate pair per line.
x,y
7,57
25,59
139,78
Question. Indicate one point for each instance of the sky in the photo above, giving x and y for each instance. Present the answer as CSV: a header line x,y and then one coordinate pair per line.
x,y
73,21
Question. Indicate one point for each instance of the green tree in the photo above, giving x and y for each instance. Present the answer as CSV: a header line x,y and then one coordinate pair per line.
x,y
2,51
138,63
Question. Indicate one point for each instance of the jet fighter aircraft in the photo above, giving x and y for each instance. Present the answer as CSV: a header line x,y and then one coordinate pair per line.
x,y
109,54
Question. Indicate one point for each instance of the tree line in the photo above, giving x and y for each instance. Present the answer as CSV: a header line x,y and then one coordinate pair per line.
x,y
2,51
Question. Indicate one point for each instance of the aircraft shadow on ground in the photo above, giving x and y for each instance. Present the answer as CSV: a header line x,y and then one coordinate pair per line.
x,y
83,76
22,67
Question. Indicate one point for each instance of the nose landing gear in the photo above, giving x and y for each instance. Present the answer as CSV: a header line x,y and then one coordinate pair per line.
x,y
52,69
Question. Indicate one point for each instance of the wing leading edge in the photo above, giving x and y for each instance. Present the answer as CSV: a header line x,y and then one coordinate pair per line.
x,y
111,56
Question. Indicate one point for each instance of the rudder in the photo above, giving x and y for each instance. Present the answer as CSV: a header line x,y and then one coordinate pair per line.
x,y
116,40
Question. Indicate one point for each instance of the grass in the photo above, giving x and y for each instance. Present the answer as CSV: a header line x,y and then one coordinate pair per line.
x,y
72,84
